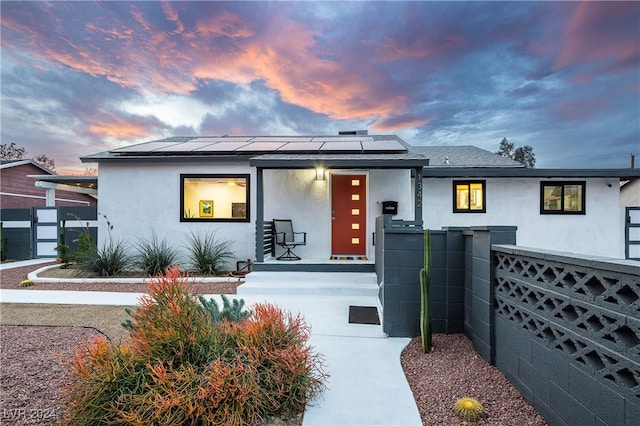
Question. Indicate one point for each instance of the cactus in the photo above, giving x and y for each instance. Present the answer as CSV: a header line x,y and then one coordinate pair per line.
x,y
469,410
425,302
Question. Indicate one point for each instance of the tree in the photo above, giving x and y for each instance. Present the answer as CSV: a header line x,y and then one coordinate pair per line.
x,y
522,154
14,152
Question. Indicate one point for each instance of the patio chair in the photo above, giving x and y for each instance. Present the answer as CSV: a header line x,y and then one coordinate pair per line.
x,y
287,239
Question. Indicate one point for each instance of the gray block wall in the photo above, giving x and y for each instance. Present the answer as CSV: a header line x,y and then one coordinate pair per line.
x,y
479,290
399,258
568,335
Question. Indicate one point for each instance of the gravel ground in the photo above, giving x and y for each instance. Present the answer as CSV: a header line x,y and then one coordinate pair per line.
x,y
11,278
30,380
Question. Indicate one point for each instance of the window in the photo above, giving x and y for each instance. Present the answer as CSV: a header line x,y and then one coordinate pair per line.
x,y
562,198
469,196
214,198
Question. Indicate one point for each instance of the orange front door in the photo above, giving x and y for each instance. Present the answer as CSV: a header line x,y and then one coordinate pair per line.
x,y
348,214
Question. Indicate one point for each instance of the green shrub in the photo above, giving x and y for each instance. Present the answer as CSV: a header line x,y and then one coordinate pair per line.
x,y
231,311
154,256
180,366
207,256
110,260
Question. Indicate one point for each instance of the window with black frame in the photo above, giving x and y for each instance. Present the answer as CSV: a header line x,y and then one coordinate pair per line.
x,y
562,197
214,198
469,196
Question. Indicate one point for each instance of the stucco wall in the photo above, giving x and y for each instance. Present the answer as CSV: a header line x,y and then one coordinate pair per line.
x,y
516,202
141,198
297,195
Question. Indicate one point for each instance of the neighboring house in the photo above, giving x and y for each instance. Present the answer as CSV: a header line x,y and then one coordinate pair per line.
x,y
334,187
630,202
26,184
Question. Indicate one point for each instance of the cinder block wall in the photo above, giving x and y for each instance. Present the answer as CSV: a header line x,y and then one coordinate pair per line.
x,y
400,256
567,334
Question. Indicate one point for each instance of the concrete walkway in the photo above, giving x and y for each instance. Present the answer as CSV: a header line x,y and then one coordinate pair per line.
x,y
367,385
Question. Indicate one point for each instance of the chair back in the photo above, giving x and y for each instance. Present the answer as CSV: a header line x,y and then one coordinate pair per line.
x,y
283,230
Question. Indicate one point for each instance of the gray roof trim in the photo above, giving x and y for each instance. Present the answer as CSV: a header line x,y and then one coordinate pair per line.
x,y
507,172
342,162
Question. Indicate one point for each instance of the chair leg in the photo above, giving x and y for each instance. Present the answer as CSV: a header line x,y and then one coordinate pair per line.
x,y
288,255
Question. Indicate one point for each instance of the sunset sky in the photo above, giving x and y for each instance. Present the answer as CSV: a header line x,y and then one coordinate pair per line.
x,y
562,77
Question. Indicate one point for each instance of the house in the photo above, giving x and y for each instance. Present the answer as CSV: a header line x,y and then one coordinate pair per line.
x,y
27,183
334,187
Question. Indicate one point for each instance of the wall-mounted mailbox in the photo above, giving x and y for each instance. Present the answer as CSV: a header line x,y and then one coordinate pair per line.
x,y
390,207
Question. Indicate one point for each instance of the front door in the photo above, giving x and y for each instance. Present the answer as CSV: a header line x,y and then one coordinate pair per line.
x,y
348,214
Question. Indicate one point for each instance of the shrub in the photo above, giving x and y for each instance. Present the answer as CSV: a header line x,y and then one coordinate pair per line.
x,y
207,255
109,260
112,259
154,256
186,362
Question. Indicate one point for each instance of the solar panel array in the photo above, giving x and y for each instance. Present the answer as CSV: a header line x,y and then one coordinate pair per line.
x,y
266,144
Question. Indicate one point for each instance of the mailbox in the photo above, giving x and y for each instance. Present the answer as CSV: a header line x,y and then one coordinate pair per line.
x,y
390,207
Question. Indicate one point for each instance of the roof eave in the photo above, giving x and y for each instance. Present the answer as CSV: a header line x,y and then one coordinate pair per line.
x,y
509,172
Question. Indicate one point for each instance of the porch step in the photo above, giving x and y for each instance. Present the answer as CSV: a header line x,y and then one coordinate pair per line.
x,y
309,283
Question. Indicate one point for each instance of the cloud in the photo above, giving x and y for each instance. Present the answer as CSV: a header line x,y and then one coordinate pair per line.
x,y
111,73
601,35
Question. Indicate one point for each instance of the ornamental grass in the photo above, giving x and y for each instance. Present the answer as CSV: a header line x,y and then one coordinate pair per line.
x,y
183,365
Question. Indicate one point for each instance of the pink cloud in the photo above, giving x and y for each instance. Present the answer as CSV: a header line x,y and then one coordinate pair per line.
x,y
400,122
601,31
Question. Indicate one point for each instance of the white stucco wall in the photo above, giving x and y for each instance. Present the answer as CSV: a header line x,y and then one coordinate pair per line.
x,y
297,195
139,199
516,202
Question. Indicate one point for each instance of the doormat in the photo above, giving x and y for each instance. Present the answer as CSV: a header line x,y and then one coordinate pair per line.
x,y
363,315
349,257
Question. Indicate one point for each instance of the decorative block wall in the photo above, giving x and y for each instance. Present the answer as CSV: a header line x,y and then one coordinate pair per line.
x,y
568,334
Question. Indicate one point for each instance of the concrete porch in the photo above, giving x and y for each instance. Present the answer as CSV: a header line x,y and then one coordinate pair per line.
x,y
300,283
315,264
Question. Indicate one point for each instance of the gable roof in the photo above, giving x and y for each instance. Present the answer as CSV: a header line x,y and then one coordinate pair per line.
x,y
463,156
5,164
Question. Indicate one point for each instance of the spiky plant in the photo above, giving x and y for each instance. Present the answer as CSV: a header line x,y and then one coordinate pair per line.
x,y
469,410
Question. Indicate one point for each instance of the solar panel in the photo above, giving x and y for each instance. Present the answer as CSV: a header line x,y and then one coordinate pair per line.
x,y
301,146
341,146
281,139
146,147
224,139
261,146
228,146
185,147
383,145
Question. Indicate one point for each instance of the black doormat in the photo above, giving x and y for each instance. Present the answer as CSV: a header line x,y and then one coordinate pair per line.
x,y
363,315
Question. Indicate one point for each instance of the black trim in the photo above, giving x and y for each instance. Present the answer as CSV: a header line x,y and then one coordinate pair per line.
x,y
469,182
246,176
561,210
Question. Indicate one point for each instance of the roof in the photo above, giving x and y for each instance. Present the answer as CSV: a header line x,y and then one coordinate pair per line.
x,y
510,172
82,181
341,151
354,150
463,156
5,164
